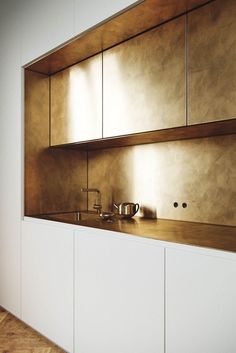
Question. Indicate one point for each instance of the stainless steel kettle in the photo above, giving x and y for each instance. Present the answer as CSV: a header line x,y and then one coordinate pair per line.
x,y
127,209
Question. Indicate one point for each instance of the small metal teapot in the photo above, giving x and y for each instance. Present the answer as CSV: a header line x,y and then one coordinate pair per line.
x,y
127,209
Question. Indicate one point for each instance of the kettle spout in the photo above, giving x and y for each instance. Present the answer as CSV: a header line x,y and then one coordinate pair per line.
x,y
116,206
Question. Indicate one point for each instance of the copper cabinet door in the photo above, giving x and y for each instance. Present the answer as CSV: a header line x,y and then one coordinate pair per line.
x,y
76,102
144,81
212,62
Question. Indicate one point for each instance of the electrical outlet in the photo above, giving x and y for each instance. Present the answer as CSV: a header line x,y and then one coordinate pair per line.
x,y
177,204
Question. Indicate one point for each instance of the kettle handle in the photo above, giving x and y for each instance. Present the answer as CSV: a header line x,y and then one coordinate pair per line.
x,y
137,207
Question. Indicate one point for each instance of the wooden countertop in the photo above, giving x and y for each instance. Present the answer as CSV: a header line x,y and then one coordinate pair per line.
x,y
188,233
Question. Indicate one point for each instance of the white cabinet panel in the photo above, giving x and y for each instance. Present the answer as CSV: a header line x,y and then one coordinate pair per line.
x,y
10,156
119,294
47,281
200,303
89,13
45,25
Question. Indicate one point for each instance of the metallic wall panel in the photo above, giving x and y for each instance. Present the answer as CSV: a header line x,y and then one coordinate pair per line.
x,y
200,172
212,62
76,102
52,178
144,81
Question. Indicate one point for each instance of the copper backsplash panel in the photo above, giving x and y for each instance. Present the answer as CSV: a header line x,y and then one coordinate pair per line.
x,y
52,178
200,172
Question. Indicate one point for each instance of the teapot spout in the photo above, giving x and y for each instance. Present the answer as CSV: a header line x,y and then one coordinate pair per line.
x,y
116,206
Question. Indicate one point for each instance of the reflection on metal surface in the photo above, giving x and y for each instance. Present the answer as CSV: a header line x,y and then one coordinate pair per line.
x,y
76,102
107,216
212,57
200,172
144,81
126,209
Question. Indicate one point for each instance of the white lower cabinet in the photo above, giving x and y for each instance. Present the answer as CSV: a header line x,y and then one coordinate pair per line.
x,y
47,281
200,303
119,293
97,291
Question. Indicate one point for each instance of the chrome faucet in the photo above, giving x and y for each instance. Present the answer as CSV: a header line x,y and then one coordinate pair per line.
x,y
97,204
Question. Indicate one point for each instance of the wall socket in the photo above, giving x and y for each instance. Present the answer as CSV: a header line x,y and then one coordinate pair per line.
x,y
178,204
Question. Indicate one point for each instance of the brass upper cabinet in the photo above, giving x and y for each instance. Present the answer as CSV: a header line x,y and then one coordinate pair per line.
x,y
76,102
212,62
144,81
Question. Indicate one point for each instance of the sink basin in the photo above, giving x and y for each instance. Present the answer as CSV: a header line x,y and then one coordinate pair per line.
x,y
74,216
86,215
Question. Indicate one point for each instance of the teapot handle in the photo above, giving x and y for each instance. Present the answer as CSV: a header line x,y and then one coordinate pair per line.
x,y
137,207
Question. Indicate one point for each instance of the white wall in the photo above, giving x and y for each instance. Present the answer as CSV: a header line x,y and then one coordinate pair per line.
x,y
47,24
10,157
89,13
